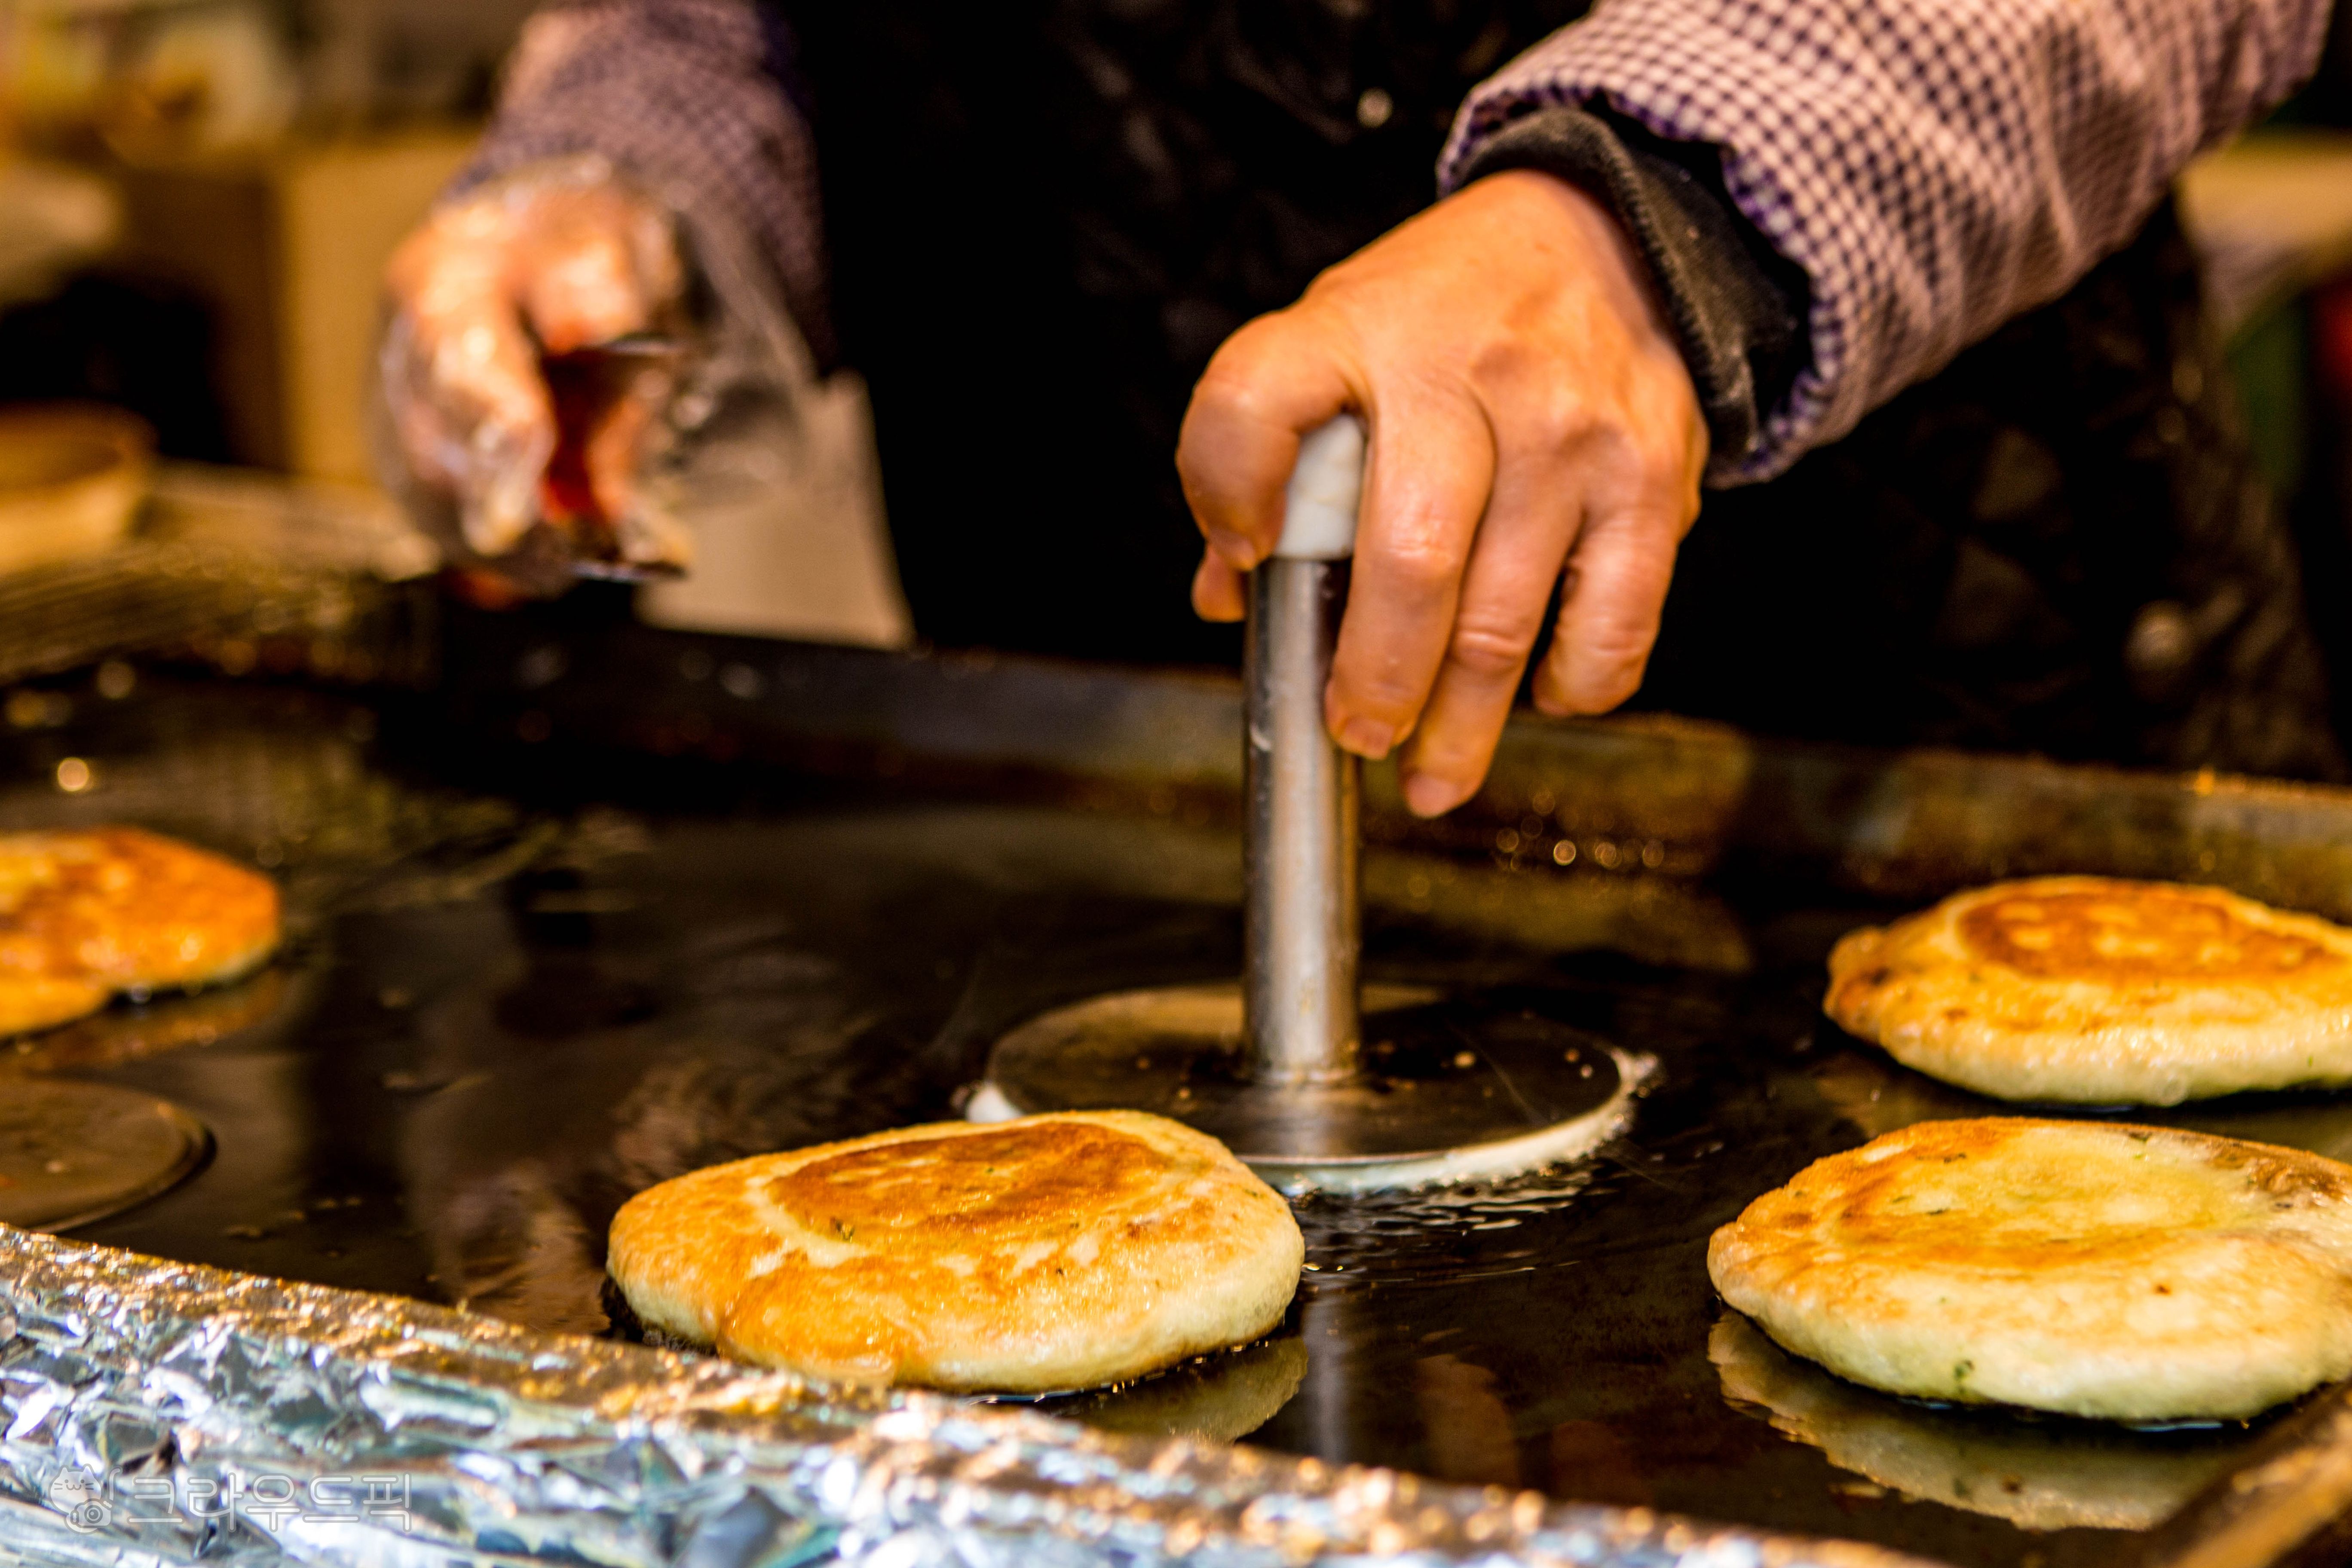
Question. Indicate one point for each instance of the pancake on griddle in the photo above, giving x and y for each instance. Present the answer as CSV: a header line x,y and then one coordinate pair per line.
x,y
84,915
2094,991
30,1002
2090,1268
1053,1252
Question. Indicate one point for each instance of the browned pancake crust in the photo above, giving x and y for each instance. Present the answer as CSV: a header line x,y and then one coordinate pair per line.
x,y
2094,1269
2101,990
85,914
2124,933
1054,1252
30,1002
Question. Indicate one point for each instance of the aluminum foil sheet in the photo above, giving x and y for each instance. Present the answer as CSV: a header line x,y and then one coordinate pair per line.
x,y
154,1413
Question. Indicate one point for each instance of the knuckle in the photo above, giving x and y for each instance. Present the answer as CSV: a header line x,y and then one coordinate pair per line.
x,y
1234,371
1224,410
1421,565
1616,646
1492,649
1507,359
1557,427
1545,412
1665,470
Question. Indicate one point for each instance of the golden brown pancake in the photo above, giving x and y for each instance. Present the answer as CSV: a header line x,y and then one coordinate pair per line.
x,y
2091,1269
84,915
2095,990
1053,1252
30,1002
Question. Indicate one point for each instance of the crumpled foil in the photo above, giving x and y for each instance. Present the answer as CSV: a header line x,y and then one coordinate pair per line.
x,y
155,1412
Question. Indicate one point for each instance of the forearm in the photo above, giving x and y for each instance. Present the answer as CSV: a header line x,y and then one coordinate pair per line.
x,y
1933,168
682,96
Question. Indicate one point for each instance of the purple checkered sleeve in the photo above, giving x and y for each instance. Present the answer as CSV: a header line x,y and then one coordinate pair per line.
x,y
682,96
1936,166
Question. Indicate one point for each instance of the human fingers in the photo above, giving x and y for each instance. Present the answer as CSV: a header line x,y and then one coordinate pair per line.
x,y
462,381
1277,379
1518,556
615,449
1615,591
1641,501
1218,591
591,264
1433,465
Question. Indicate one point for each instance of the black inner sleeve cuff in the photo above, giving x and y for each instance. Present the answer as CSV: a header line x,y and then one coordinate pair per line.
x,y
1738,304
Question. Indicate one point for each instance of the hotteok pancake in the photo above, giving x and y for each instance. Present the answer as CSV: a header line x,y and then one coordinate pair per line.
x,y
2091,1269
2096,991
85,914
1053,1252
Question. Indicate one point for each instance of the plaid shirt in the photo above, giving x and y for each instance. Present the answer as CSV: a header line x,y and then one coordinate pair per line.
x,y
1934,167
687,96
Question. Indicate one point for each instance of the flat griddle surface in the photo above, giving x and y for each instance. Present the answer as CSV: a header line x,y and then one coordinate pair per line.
x,y
500,1016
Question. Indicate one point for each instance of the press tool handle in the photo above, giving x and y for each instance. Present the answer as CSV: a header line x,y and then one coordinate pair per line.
x,y
1327,491
1301,918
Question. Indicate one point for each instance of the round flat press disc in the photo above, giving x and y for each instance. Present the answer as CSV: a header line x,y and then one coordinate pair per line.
x,y
74,1153
1448,1089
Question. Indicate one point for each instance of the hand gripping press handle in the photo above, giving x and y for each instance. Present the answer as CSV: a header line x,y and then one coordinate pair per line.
x,y
1301,923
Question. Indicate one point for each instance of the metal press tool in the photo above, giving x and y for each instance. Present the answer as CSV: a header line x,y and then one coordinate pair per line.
x,y
1315,1079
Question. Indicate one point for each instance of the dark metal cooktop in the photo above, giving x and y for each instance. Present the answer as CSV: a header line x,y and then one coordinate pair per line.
x,y
524,983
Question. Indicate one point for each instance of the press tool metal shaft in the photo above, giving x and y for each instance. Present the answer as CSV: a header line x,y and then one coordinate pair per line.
x,y
1302,929
1315,1079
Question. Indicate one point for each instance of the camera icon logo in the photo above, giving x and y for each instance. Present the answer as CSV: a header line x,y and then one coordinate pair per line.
x,y
74,1494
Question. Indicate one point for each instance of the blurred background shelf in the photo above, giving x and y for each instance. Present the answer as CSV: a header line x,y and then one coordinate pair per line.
x,y
197,198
